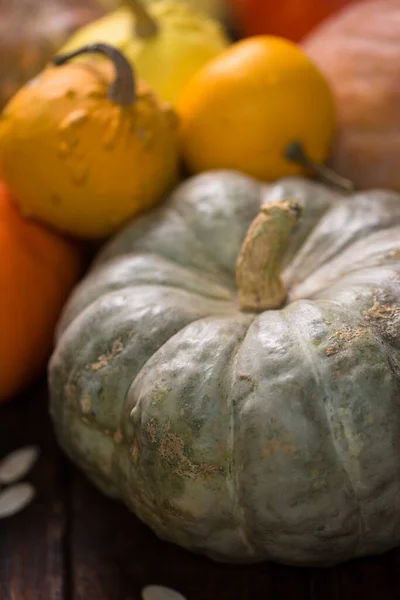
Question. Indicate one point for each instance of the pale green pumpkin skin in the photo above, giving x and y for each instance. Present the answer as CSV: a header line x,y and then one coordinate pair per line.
x,y
247,437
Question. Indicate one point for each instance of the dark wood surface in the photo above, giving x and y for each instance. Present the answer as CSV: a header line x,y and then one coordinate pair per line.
x,y
72,543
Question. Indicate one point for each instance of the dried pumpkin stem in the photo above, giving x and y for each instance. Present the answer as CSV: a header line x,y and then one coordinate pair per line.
x,y
122,89
295,152
145,25
259,263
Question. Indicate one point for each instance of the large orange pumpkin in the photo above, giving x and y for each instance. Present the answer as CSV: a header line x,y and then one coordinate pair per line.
x,y
37,271
358,51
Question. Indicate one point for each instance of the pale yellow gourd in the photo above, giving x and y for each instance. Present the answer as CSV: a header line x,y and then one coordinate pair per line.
x,y
166,41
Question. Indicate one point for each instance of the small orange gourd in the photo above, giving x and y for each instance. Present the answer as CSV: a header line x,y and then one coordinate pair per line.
x,y
245,108
37,271
263,108
84,146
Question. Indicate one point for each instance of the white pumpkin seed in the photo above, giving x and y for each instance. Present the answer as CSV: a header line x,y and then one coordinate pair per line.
x,y
159,592
15,498
17,464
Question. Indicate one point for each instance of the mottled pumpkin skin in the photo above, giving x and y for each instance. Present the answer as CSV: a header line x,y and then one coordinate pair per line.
x,y
242,436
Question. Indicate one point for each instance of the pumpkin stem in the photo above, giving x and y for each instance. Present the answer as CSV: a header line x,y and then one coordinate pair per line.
x,y
259,262
122,89
145,26
296,153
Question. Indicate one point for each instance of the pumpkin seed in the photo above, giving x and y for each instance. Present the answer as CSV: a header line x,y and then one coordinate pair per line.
x,y
15,498
18,463
159,592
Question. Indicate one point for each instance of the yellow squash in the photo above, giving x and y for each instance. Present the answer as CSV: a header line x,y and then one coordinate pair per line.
x,y
166,41
84,153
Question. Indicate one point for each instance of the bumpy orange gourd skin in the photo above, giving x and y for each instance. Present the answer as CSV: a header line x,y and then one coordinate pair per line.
x,y
37,271
80,162
243,108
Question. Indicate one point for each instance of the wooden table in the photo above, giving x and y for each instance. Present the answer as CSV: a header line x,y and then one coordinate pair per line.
x,y
74,544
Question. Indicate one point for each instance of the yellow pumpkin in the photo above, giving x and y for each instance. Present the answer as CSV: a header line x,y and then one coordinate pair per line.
x,y
84,153
246,108
166,41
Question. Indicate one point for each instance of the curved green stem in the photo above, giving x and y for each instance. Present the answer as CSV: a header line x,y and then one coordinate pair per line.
x,y
122,89
145,25
295,152
259,263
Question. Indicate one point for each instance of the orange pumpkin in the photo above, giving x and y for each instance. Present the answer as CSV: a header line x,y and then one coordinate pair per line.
x,y
358,51
291,19
37,271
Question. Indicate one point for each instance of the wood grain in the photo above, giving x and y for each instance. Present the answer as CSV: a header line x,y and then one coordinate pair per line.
x,y
73,543
31,542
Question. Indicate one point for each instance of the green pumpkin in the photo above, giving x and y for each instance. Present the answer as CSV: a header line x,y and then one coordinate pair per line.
x,y
247,435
